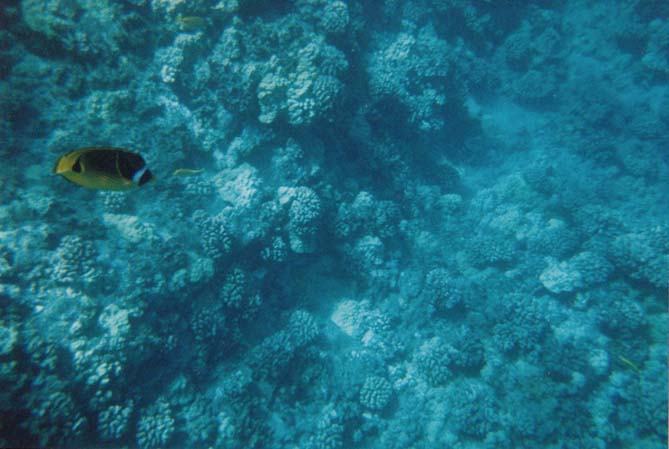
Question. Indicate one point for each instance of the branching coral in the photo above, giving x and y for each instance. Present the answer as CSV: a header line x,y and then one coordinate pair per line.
x,y
56,419
644,254
443,291
214,234
234,289
475,412
156,426
113,422
521,325
306,92
414,70
304,215
74,261
302,328
432,359
375,393
329,431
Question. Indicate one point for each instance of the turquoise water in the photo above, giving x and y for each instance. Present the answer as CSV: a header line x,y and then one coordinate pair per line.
x,y
417,224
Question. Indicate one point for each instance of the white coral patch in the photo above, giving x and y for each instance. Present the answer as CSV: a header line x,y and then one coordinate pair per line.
x,y
115,320
348,317
560,277
130,227
238,186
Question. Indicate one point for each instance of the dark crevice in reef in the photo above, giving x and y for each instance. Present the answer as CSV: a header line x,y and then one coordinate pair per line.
x,y
265,9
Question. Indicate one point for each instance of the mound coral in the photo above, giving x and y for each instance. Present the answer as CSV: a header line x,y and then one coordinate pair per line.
x,y
375,393
156,426
304,215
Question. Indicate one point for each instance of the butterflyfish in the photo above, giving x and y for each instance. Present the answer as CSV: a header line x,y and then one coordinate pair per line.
x,y
104,168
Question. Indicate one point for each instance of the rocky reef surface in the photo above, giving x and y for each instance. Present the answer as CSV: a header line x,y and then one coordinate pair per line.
x,y
419,224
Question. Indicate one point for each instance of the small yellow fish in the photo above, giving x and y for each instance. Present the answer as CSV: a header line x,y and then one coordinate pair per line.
x,y
191,23
630,364
187,171
104,168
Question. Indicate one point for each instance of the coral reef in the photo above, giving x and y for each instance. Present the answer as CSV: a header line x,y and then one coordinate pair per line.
x,y
375,393
156,426
304,215
396,224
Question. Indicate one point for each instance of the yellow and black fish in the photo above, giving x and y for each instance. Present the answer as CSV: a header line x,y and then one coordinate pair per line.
x,y
104,168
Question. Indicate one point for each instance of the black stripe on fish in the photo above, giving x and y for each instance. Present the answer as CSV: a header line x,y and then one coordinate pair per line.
x,y
101,161
129,164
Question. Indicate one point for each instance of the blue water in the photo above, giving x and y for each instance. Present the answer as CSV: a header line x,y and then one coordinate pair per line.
x,y
418,224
